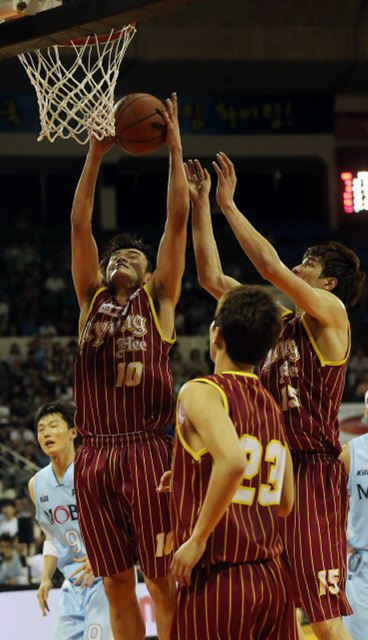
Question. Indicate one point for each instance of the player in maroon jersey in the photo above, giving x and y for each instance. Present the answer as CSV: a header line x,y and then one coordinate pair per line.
x,y
231,479
124,394
305,372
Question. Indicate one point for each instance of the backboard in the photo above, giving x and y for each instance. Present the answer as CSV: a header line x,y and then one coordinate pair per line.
x,y
75,19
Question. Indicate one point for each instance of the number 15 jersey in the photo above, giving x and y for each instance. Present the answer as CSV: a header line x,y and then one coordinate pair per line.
x,y
307,387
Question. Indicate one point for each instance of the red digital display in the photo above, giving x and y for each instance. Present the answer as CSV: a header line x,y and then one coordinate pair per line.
x,y
355,195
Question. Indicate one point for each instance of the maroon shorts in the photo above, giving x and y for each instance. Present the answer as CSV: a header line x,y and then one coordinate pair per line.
x,y
237,602
315,536
123,519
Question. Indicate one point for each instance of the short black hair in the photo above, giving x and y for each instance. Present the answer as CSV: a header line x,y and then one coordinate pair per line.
x,y
343,264
6,537
128,241
250,322
66,410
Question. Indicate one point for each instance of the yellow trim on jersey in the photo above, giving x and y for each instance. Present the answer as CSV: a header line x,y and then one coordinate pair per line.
x,y
90,308
323,361
246,374
155,317
217,387
198,454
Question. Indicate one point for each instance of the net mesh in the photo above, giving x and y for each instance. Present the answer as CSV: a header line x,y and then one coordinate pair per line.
x,y
75,92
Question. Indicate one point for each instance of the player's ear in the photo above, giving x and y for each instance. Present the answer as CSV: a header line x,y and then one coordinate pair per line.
x,y
73,433
218,338
330,283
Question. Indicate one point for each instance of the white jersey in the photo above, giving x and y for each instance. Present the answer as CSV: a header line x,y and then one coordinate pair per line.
x,y
358,491
57,515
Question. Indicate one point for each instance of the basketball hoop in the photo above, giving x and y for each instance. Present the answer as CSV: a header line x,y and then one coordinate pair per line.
x,y
76,97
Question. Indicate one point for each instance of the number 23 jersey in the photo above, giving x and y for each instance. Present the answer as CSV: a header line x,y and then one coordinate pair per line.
x,y
248,532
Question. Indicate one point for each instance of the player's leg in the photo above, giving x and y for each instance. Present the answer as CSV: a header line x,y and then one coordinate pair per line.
x,y
152,526
69,621
315,539
97,624
331,630
301,635
125,613
357,592
163,592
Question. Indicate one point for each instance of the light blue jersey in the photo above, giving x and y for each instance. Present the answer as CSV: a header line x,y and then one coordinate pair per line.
x,y
56,512
357,578
83,614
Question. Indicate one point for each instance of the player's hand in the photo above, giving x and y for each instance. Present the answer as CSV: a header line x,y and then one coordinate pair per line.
x,y
100,147
173,139
165,483
185,559
226,180
85,575
42,595
199,180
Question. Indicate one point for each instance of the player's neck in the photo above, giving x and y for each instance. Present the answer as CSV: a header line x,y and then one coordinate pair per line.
x,y
61,462
122,294
224,363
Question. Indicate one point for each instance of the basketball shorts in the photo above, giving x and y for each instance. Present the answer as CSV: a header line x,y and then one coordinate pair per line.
x,y
82,614
357,593
123,519
315,536
237,602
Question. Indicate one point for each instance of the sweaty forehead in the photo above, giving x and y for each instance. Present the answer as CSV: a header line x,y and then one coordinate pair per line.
x,y
126,252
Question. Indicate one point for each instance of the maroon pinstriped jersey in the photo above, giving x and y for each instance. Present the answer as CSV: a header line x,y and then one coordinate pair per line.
x,y
248,532
123,381
308,388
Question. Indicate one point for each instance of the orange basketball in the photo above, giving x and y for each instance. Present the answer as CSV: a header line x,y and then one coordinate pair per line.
x,y
139,127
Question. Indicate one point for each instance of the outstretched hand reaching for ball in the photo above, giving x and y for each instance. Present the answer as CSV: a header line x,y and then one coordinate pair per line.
x,y
226,180
199,180
100,146
170,116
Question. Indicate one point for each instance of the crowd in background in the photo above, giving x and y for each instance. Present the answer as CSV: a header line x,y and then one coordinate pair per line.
x,y
39,318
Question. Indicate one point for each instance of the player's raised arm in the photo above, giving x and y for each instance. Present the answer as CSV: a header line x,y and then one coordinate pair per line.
x,y
85,260
317,302
215,431
166,280
210,274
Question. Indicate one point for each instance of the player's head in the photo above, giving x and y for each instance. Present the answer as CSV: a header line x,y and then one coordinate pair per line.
x,y
246,325
333,267
54,424
127,262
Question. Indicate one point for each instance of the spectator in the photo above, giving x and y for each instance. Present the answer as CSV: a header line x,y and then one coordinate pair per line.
x,y
11,570
9,522
358,366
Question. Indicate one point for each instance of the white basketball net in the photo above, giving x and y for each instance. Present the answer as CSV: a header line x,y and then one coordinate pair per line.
x,y
76,96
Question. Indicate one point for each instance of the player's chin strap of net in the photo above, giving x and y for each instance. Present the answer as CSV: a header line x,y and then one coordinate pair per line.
x,y
75,91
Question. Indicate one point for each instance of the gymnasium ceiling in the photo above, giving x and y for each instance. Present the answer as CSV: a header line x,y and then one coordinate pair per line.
x,y
245,46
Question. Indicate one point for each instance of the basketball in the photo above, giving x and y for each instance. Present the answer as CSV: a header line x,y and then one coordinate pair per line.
x,y
139,127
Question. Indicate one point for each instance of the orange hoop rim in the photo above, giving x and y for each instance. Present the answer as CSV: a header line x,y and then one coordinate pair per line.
x,y
93,39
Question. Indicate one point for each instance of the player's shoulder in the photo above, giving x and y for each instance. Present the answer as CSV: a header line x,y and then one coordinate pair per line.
x,y
32,488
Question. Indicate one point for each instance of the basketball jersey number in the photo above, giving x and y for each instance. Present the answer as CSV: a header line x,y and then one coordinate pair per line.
x,y
329,581
94,632
74,540
289,398
129,375
275,455
164,543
